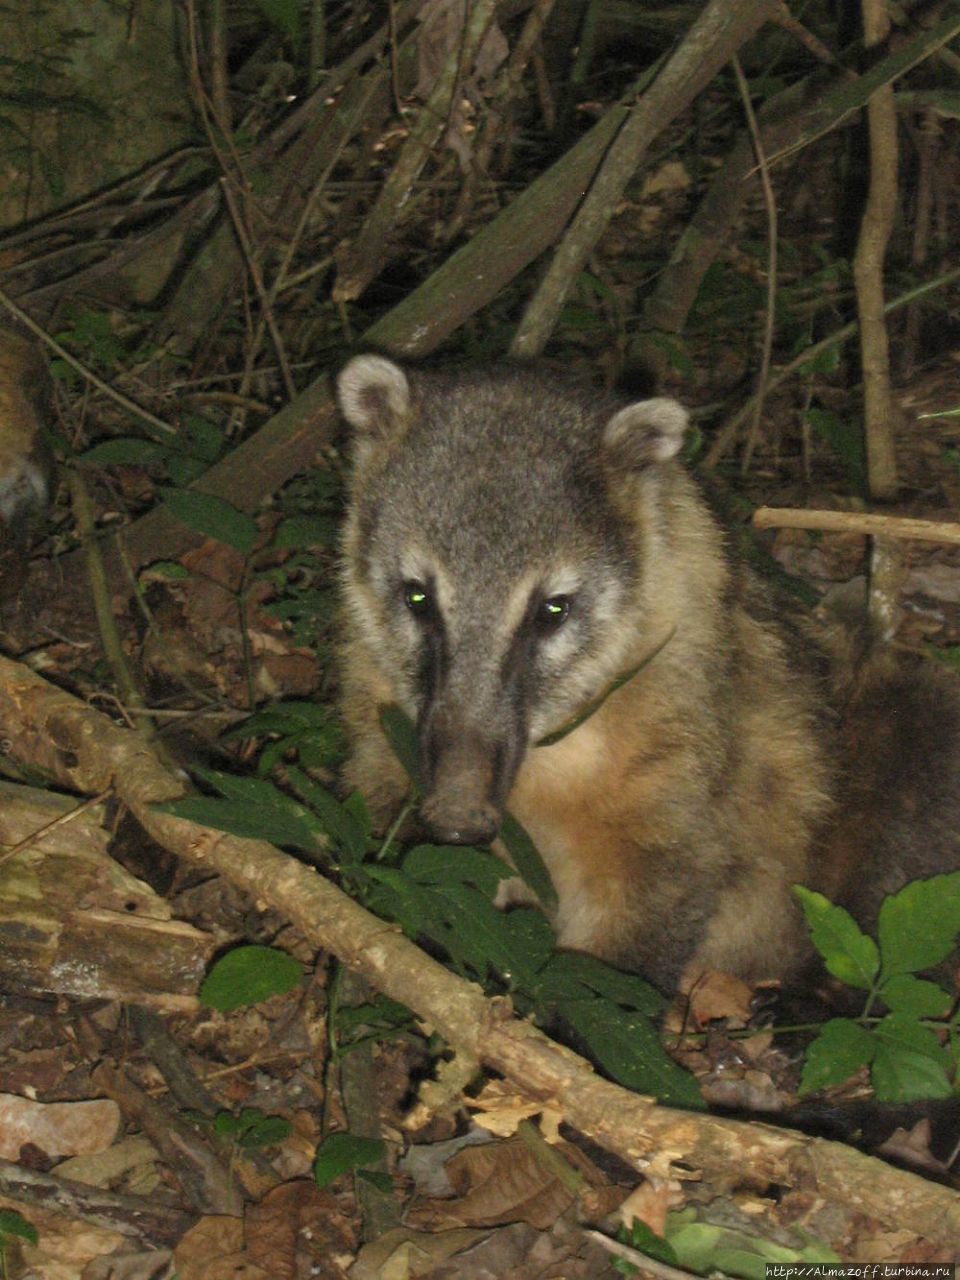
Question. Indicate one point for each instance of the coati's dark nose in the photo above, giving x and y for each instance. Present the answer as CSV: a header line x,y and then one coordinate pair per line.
x,y
449,823
467,773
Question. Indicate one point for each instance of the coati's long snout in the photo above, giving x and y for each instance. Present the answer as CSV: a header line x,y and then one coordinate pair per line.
x,y
467,773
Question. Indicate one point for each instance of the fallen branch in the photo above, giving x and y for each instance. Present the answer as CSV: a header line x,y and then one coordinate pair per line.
x,y
144,1217
80,749
865,522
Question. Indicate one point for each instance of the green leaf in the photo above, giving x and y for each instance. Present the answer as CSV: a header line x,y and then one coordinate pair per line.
x,y
526,858
14,1224
235,786
183,470
306,531
172,570
203,438
248,975
731,1261
570,972
227,1125
401,734
282,717
382,1181
267,1131
343,1153
847,952
444,893
451,865
846,441
627,1046
530,931
909,1063
841,1048
477,937
704,1247
396,897
641,1237
339,824
916,997
213,517
284,15
381,1013
826,362
126,451
248,819
917,927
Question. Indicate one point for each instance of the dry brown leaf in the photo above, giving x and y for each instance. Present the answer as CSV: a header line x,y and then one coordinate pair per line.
x,y
496,1183
130,1264
717,995
403,1253
912,1147
500,1109
212,1249
105,1168
650,1203
671,176
297,1229
65,1245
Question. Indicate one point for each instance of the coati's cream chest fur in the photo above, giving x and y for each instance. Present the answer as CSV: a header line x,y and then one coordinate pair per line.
x,y
512,548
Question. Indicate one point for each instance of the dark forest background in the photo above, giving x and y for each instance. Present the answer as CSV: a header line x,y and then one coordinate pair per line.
x,y
207,206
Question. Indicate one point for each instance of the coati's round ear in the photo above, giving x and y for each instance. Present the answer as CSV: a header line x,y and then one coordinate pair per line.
x,y
374,395
646,432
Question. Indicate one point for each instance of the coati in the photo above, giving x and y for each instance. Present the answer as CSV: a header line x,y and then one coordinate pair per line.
x,y
26,461
510,549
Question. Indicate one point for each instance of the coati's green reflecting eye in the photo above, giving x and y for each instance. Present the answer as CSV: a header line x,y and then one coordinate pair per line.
x,y
416,598
552,612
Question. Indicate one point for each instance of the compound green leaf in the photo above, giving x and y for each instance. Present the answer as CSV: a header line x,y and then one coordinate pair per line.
x,y
848,953
841,1048
918,926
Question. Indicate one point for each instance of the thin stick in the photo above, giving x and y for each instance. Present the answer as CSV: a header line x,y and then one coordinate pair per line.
x,y
865,522
117,396
253,267
770,205
36,836
642,1260
728,431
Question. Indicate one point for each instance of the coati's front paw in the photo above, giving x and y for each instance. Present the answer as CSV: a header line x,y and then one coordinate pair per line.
x,y
514,892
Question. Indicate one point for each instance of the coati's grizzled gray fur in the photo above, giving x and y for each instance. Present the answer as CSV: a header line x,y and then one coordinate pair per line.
x,y
510,549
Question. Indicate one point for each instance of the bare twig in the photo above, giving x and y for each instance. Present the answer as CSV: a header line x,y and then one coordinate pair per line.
x,y
366,256
717,34
927,147
97,578
728,432
64,820
257,277
145,1217
643,1261
875,229
811,42
506,88
117,396
770,204
217,47
865,522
